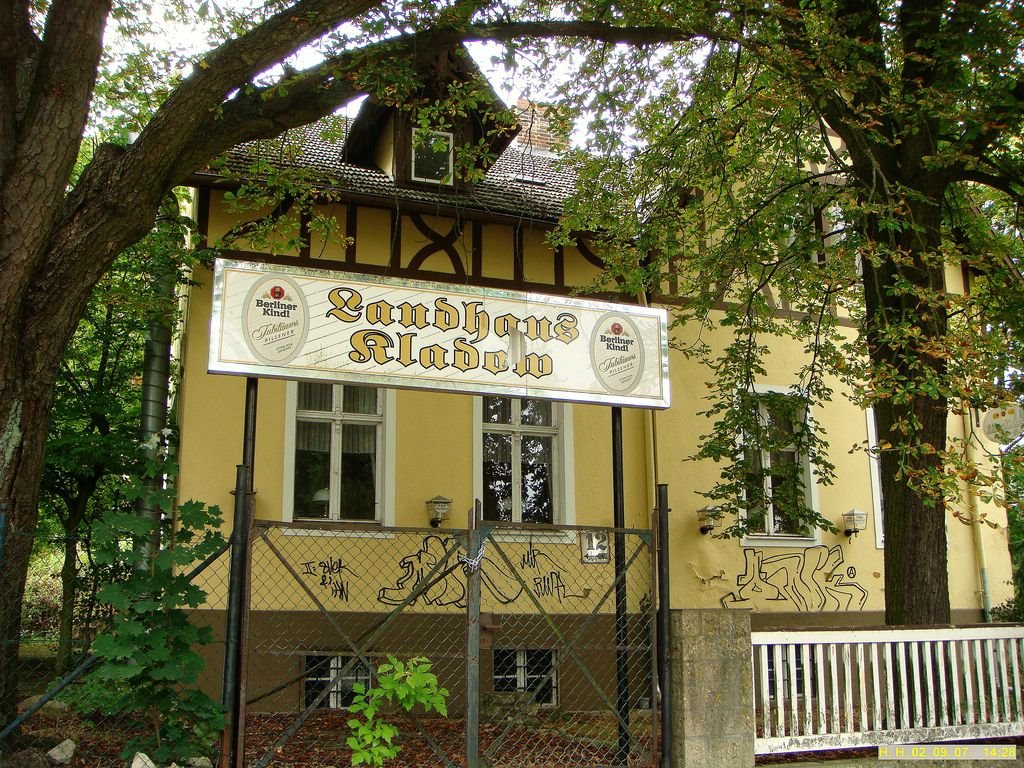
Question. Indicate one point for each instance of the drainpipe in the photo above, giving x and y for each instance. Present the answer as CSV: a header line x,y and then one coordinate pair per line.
x,y
650,437
975,517
156,376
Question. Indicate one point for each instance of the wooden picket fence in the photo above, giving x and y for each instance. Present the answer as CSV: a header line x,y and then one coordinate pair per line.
x,y
851,688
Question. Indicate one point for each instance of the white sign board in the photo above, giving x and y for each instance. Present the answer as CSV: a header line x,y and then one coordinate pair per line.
x,y
296,323
1003,424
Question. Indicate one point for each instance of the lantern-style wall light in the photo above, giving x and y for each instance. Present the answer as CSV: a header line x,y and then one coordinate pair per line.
x,y
438,509
709,518
854,522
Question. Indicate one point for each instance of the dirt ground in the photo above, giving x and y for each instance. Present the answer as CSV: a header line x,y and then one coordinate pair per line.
x,y
320,743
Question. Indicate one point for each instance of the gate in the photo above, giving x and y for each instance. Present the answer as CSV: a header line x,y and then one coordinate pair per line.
x,y
542,635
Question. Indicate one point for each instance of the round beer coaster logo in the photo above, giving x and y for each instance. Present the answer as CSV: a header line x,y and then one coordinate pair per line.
x,y
276,320
617,353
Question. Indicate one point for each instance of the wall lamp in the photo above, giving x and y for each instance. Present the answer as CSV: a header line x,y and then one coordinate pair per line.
x,y
439,508
709,518
854,522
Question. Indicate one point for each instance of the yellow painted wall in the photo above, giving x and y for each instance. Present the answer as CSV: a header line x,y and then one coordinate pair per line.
x,y
499,240
330,247
223,218
434,456
435,438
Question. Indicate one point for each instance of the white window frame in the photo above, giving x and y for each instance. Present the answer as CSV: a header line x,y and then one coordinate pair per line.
x,y
875,475
762,539
446,180
522,683
563,486
384,506
358,674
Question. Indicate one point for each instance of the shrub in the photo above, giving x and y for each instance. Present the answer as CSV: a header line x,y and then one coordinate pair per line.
x,y
150,659
40,614
408,685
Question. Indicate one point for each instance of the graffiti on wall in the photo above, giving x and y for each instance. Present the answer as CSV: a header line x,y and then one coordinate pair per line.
x,y
331,573
549,579
420,575
812,579
421,579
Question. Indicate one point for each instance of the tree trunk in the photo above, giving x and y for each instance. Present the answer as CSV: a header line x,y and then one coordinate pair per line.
x,y
916,549
25,400
903,330
77,511
68,598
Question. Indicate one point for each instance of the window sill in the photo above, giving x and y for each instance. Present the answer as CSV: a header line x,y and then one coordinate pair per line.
x,y
516,535
765,540
333,529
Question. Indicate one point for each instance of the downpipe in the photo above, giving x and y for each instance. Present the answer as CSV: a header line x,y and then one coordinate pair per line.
x,y
980,556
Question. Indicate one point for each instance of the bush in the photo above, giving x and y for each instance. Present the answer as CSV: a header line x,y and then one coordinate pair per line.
x,y
40,613
150,660
407,684
1012,610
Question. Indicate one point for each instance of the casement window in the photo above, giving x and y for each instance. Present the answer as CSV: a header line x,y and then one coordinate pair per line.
x,y
875,476
810,227
432,156
321,670
523,460
337,440
779,478
527,670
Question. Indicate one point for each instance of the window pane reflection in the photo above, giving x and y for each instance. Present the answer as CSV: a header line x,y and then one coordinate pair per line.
x,y
497,471
314,396
358,486
536,458
359,399
312,469
497,410
536,413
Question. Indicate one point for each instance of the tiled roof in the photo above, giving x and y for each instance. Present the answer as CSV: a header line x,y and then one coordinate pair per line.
x,y
523,182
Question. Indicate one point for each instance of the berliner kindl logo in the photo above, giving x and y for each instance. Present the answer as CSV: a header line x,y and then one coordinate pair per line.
x,y
276,320
617,353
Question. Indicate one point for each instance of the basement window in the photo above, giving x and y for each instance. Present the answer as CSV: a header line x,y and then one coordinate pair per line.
x,y
527,670
321,671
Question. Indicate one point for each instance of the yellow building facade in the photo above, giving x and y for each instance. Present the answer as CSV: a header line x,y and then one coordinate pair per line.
x,y
342,470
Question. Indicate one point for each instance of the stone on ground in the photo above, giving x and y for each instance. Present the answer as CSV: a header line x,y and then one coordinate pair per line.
x,y
62,753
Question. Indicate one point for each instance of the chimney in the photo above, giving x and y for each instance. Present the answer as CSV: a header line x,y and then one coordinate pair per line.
x,y
536,132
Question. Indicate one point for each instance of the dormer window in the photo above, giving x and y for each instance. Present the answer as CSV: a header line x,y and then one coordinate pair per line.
x,y
432,156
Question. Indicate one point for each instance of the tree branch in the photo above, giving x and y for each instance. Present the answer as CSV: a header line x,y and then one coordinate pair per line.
x,y
186,113
1013,188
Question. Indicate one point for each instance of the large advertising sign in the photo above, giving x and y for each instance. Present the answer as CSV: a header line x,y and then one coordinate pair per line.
x,y
287,322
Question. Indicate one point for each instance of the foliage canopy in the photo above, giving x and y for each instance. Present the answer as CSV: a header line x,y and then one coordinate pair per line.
x,y
737,104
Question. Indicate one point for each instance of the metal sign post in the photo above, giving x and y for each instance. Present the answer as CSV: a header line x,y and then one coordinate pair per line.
x,y
232,695
621,616
472,560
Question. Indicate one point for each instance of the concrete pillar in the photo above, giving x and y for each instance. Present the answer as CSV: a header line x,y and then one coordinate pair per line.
x,y
712,694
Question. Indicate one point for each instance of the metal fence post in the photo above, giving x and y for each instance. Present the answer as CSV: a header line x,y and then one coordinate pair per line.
x,y
621,608
232,640
473,639
664,627
232,741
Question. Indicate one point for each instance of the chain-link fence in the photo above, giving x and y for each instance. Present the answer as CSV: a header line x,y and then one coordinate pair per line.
x,y
58,694
564,671
542,636
567,632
